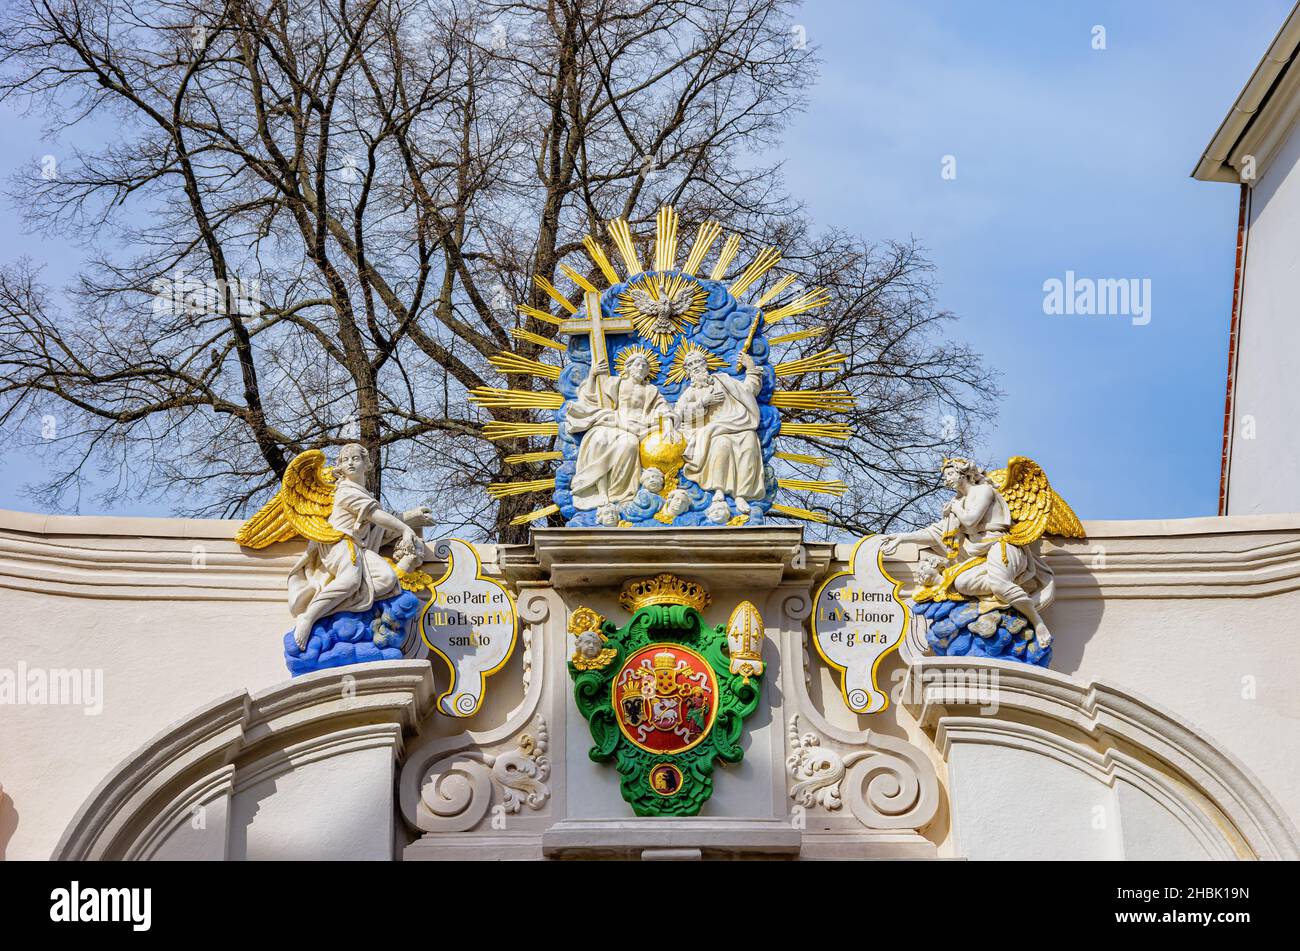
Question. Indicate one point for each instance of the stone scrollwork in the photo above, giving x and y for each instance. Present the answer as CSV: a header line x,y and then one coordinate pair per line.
x,y
816,771
888,786
534,608
457,790
522,772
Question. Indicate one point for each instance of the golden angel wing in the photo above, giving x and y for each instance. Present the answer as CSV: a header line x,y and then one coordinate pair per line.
x,y
301,508
1036,509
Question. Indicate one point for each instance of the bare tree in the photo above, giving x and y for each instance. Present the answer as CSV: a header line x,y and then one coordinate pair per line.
x,y
309,223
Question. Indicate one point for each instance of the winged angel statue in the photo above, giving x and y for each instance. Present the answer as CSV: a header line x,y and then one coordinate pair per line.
x,y
342,569
989,567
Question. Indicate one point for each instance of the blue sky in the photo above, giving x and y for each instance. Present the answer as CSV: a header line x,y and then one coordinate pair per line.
x,y
1067,158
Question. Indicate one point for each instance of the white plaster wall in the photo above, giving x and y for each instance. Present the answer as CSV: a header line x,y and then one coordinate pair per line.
x,y
160,657
1020,804
1201,616
340,808
1150,833
1015,804
1266,469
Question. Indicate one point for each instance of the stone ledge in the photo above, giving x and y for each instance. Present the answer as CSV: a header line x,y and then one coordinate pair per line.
x,y
717,557
629,838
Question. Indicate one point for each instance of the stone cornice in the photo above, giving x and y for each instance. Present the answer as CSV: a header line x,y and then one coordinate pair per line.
x,y
197,559
718,557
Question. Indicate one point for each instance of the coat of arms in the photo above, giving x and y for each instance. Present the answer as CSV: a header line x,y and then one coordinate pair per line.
x,y
665,697
665,694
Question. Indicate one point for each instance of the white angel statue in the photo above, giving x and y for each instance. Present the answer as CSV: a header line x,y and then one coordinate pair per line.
x,y
988,539
341,570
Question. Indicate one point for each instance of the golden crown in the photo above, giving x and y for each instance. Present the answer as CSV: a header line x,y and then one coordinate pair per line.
x,y
664,589
665,660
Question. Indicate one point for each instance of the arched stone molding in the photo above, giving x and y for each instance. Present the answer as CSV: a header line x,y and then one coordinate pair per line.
x,y
1002,725
178,796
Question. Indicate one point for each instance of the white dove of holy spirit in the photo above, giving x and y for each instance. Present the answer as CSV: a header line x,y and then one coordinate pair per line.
x,y
660,310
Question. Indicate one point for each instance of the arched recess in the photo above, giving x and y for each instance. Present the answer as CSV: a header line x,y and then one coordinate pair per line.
x,y
1041,765
302,770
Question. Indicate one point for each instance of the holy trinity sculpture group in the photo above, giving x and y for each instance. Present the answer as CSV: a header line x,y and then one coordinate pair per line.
x,y
666,412
666,407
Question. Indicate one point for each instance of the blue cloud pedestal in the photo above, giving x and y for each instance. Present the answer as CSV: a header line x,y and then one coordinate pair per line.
x,y
355,637
958,629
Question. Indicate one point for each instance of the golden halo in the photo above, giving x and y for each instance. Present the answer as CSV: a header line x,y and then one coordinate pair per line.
x,y
677,369
627,353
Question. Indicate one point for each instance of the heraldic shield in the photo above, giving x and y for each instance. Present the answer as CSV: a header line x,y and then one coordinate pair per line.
x,y
659,695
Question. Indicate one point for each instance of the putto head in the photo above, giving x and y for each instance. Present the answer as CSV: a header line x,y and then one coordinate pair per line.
x,y
677,502
652,480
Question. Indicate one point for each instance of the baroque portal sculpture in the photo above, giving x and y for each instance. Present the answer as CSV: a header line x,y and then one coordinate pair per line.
x,y
985,584
667,408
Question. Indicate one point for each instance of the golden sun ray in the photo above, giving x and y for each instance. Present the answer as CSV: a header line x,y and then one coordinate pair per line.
x,y
540,315
831,400
840,431
725,257
834,487
813,363
820,462
530,337
515,399
797,335
766,260
553,293
775,289
600,259
704,239
666,239
801,304
577,278
496,430
622,235
522,458
795,512
534,516
499,490
507,362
